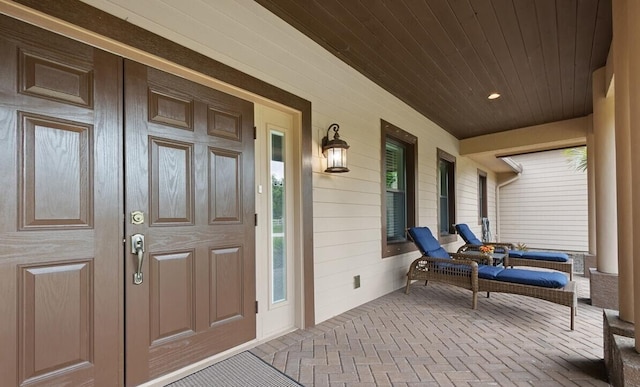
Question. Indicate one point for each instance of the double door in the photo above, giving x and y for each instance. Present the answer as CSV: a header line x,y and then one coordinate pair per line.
x,y
127,239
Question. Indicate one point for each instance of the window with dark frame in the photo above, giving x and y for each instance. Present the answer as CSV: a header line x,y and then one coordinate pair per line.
x,y
483,211
446,197
398,183
396,190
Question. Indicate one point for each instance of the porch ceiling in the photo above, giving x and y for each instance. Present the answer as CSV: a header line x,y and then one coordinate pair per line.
x,y
443,58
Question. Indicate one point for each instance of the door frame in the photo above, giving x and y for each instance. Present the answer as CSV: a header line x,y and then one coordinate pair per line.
x,y
76,20
294,198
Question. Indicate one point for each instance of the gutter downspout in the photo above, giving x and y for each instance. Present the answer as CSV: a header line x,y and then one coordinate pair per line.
x,y
517,168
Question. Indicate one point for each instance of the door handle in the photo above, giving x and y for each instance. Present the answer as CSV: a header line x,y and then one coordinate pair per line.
x,y
137,248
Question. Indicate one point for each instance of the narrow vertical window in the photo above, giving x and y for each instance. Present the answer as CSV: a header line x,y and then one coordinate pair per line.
x,y
446,197
483,211
399,155
396,191
278,216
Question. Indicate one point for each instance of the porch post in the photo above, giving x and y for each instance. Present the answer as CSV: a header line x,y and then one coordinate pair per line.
x,y
620,334
591,192
604,287
633,34
621,50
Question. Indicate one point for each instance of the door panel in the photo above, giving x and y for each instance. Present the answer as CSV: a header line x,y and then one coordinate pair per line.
x,y
189,168
60,195
277,178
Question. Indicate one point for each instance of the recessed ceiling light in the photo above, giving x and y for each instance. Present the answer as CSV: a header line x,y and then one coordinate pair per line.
x,y
494,96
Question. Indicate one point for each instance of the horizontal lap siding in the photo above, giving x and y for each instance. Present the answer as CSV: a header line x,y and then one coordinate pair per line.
x,y
347,211
546,207
467,204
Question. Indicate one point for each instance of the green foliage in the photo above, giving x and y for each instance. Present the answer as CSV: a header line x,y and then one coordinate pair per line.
x,y
278,252
392,178
521,246
577,158
277,187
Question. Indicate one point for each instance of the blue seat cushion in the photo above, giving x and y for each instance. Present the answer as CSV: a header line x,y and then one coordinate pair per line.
x,y
468,235
540,255
545,279
459,268
438,253
489,272
427,243
484,271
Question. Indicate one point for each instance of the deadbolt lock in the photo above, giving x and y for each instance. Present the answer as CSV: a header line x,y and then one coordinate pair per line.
x,y
137,217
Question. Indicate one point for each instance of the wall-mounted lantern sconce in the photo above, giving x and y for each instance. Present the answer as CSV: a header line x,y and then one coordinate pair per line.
x,y
335,151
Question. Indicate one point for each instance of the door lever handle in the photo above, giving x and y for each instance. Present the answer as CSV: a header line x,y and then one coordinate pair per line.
x,y
137,248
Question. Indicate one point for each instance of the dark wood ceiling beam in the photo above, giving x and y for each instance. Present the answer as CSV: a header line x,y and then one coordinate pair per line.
x,y
397,44
398,69
601,42
441,57
486,66
533,48
465,61
508,21
587,15
566,20
509,85
312,15
547,21
432,40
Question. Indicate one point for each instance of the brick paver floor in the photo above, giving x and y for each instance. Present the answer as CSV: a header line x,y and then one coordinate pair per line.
x,y
432,337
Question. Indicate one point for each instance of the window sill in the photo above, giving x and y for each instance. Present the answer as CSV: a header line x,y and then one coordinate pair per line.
x,y
396,248
447,238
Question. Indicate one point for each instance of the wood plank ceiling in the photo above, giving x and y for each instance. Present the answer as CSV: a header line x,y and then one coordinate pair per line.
x,y
444,58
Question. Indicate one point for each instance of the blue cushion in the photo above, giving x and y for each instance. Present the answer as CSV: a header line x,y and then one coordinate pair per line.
x,y
489,272
546,256
484,271
515,253
468,235
423,238
545,279
540,255
438,253
460,268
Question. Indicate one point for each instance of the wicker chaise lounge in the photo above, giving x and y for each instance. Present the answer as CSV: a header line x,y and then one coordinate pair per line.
x,y
554,260
474,272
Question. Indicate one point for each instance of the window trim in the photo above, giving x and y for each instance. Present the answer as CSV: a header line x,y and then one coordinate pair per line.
x,y
451,236
483,208
388,130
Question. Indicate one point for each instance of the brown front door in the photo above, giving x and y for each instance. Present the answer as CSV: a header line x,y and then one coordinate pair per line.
x,y
189,169
69,174
60,202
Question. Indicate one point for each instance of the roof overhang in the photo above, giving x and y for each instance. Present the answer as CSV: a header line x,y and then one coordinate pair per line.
x,y
489,150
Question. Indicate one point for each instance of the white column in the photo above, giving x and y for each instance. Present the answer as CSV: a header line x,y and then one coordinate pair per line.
x,y
623,157
633,35
591,190
605,176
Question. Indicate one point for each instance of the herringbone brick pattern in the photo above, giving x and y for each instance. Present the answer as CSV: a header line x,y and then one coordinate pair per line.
x,y
432,337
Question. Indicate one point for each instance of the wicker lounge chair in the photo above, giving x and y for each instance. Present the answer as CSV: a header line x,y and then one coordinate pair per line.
x,y
544,259
474,272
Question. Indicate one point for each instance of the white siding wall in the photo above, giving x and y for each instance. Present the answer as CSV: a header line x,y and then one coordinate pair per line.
x,y
346,207
546,207
467,200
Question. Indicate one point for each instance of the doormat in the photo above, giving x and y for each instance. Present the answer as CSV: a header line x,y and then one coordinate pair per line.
x,y
243,369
